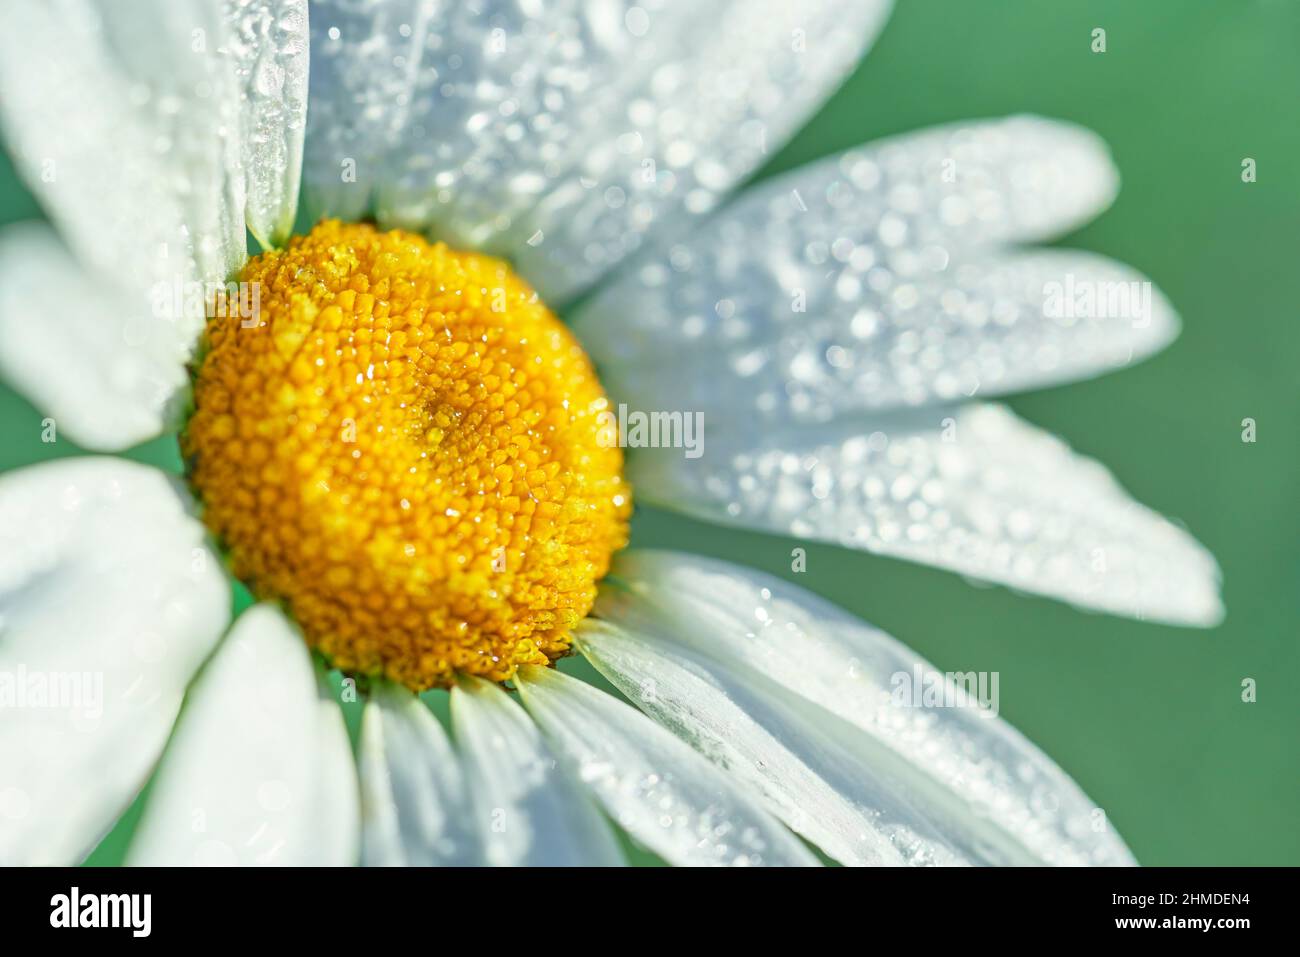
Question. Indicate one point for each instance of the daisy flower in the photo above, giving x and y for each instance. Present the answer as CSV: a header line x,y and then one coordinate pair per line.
x,y
419,471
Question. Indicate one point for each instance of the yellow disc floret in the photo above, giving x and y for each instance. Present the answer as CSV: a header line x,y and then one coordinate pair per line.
x,y
402,445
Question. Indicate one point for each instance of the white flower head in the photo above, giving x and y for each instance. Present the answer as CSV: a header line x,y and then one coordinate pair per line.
x,y
819,348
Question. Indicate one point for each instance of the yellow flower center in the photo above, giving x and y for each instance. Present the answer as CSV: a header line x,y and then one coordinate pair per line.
x,y
402,445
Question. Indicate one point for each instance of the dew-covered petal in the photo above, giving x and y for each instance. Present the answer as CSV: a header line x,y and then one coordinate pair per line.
x,y
969,488
561,135
529,810
142,128
259,770
123,119
814,773
109,602
926,330
999,795
654,786
106,372
269,45
872,280
415,802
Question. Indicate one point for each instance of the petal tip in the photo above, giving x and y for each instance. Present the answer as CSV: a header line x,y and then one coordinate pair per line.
x,y
1090,180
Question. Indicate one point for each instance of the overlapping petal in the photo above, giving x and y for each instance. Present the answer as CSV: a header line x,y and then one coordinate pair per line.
x,y
415,801
655,787
529,810
874,280
812,772
991,791
109,602
108,373
259,770
970,488
178,121
269,44
562,136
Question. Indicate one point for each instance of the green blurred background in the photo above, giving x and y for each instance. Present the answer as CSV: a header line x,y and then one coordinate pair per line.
x,y
1149,719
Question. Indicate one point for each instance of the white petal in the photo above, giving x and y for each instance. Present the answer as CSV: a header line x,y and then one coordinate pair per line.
x,y
109,602
972,489
655,787
530,812
562,135
259,770
106,371
269,44
414,799
123,119
145,120
864,281
999,793
822,780
922,328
